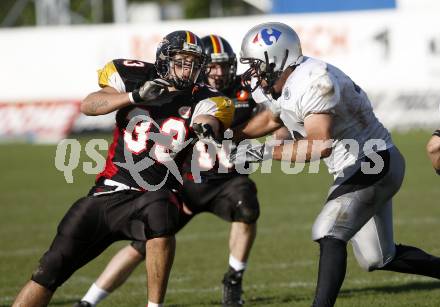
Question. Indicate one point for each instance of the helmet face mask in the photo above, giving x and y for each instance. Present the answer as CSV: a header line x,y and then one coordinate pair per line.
x,y
268,49
222,62
178,52
184,69
262,71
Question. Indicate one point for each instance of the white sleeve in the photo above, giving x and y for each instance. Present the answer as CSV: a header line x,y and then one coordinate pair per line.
x,y
260,97
322,96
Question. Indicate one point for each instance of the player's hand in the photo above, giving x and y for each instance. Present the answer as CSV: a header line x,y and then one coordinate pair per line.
x,y
205,133
150,90
249,153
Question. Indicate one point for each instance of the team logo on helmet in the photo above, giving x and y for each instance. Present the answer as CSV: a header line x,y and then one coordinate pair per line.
x,y
268,36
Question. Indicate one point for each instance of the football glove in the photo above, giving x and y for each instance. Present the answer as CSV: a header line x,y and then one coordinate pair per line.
x,y
149,91
250,153
205,133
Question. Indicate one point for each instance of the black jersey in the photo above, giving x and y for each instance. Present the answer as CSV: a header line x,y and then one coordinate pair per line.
x,y
241,95
245,107
150,142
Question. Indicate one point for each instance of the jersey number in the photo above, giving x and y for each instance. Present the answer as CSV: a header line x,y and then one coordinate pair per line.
x,y
136,141
206,161
132,63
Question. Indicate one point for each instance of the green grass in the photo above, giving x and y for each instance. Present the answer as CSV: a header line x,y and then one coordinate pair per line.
x,y
283,265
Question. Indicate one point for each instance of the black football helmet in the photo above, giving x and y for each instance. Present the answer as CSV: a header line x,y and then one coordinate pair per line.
x,y
218,50
174,43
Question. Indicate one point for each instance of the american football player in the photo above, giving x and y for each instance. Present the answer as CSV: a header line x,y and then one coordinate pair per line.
x,y
341,128
135,198
229,195
433,150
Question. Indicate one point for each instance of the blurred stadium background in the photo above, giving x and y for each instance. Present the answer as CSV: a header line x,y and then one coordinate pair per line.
x,y
49,53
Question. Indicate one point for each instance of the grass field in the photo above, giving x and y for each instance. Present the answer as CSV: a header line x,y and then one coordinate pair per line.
x,y
283,265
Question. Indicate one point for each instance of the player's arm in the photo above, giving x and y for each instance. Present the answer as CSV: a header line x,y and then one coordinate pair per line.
x,y
260,125
433,150
212,115
104,101
282,134
211,121
316,108
315,146
113,95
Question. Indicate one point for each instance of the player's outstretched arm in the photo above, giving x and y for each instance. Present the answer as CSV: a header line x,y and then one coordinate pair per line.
x,y
433,150
315,146
260,125
104,101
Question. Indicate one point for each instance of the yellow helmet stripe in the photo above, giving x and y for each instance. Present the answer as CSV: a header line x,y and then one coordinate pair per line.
x,y
190,37
216,44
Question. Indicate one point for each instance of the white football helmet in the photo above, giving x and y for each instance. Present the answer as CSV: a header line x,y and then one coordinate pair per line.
x,y
269,48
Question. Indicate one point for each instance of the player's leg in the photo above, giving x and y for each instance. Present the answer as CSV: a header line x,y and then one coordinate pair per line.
x,y
33,295
119,269
237,202
160,217
350,205
374,249
373,244
412,260
72,247
241,239
115,273
127,259
161,253
158,263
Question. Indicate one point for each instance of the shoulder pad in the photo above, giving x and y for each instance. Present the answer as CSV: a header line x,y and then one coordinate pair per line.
x,y
135,73
106,73
134,68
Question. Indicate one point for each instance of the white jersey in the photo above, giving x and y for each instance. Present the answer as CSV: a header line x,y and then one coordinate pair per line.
x,y
260,97
318,87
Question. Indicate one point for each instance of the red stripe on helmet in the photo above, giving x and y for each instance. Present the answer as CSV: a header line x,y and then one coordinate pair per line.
x,y
190,37
216,44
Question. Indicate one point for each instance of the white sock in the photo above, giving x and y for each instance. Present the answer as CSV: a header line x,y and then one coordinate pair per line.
x,y
236,264
150,304
95,295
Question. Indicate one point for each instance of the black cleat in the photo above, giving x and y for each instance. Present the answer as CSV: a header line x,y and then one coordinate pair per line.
x,y
232,289
82,304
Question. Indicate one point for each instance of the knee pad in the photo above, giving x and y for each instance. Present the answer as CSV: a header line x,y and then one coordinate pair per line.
x,y
49,272
162,219
244,202
246,212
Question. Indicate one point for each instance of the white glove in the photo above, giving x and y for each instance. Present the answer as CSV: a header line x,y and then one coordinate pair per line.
x,y
149,91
